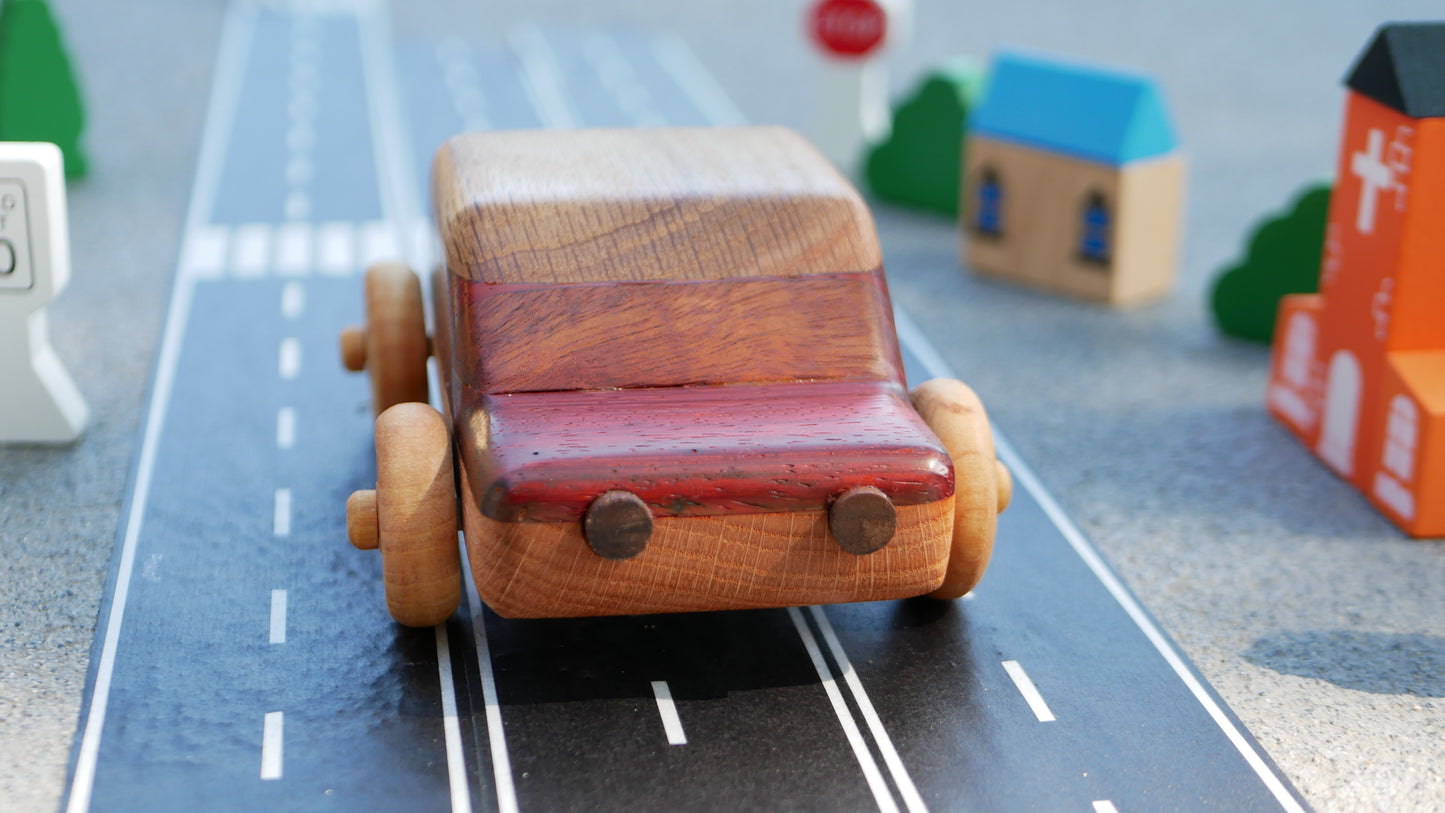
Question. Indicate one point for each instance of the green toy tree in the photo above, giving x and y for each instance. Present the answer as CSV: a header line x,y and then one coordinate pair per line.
x,y
1283,257
921,161
39,97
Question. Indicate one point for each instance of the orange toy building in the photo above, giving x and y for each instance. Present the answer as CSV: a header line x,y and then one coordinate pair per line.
x,y
1358,370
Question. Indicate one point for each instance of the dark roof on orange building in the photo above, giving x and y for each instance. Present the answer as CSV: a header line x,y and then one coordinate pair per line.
x,y
1404,68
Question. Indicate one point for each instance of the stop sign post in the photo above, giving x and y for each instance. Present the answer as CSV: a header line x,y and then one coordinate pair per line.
x,y
852,36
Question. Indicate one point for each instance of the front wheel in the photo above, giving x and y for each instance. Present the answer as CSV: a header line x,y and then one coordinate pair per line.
x,y
412,516
982,486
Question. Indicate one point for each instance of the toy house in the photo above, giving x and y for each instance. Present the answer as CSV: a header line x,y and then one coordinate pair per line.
x,y
1072,181
1358,370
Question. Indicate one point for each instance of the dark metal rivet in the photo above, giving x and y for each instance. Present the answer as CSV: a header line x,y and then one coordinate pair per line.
x,y
862,520
617,525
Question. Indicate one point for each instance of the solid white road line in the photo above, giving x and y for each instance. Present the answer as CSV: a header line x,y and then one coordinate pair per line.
x,y
288,362
1029,691
1105,806
934,365
272,745
285,428
671,723
1023,475
496,736
293,300
282,523
541,76
876,783
251,250
278,616
911,797
683,66
456,761
389,136
425,245
236,34
398,204
205,253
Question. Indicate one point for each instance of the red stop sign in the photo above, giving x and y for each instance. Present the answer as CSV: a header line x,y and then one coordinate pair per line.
x,y
848,28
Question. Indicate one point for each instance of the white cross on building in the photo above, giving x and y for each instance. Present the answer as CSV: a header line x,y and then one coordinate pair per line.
x,y
1375,177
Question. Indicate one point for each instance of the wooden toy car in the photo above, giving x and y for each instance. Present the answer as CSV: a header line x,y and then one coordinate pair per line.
x,y
671,382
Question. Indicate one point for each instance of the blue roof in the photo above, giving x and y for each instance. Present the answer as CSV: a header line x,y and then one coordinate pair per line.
x,y
1085,111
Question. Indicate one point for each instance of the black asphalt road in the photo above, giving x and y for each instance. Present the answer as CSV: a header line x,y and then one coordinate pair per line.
x,y
1048,689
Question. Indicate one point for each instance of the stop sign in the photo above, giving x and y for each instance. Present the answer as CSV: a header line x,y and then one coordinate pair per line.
x,y
848,28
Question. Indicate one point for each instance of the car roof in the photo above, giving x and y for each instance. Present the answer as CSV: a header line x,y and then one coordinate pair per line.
x,y
640,205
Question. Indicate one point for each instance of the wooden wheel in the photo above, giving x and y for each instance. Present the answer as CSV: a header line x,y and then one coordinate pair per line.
x,y
982,485
393,346
412,515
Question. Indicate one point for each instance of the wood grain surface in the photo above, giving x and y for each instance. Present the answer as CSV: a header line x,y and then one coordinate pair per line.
x,y
689,451
982,485
646,204
393,346
546,569
416,514
535,338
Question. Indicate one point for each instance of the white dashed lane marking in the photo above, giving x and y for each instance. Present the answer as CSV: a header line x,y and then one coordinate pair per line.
x,y
542,77
293,300
671,723
285,428
272,738
1105,806
278,616
282,524
617,75
289,361
465,85
1029,691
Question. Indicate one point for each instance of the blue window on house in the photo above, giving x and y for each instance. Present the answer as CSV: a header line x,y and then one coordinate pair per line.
x,y
1094,237
988,218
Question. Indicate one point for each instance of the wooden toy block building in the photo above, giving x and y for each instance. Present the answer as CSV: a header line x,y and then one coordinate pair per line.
x,y
1072,181
1358,370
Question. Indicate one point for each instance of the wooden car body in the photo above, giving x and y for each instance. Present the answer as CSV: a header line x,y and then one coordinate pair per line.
x,y
697,320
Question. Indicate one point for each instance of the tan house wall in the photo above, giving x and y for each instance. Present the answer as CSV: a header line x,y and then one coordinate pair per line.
x,y
1043,200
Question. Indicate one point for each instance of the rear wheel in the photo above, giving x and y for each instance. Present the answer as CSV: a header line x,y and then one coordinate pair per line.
x,y
412,515
982,485
393,346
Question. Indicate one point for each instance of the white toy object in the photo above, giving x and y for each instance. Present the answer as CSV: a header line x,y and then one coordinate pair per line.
x,y
853,106
38,401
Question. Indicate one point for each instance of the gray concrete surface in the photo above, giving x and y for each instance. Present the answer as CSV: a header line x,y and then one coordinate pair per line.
x,y
1322,626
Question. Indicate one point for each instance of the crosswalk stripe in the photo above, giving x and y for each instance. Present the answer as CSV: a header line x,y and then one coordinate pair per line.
x,y
251,250
336,248
293,249
204,254
379,241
